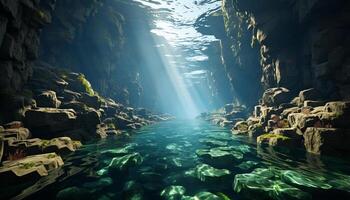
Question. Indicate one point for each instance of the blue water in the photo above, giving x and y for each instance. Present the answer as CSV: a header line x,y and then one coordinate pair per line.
x,y
168,152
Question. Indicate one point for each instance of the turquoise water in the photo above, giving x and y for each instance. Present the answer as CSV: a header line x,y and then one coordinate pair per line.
x,y
171,160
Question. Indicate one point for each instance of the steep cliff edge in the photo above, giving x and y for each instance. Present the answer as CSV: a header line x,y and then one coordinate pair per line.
x,y
298,52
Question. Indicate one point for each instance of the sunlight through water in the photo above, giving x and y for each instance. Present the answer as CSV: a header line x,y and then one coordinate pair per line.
x,y
181,48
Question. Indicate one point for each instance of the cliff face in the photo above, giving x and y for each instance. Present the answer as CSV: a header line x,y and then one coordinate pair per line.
x,y
299,44
298,52
20,22
90,37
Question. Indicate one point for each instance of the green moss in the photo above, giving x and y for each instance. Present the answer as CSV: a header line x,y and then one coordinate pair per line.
x,y
271,135
86,84
27,165
51,155
45,143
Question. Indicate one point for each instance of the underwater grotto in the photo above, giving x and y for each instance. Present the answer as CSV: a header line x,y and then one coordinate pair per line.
x,y
174,99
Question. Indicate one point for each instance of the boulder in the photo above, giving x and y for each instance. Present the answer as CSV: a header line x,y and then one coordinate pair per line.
x,y
125,162
43,121
310,94
93,101
29,168
287,132
89,119
276,96
121,122
173,192
309,103
33,146
207,173
240,128
13,125
219,156
327,140
301,121
262,183
47,99
275,140
15,133
255,130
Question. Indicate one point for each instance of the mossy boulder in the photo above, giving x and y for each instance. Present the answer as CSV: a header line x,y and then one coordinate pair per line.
x,y
125,162
207,173
219,157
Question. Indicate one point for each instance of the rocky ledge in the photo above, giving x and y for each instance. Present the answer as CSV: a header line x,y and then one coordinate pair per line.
x,y
59,109
307,121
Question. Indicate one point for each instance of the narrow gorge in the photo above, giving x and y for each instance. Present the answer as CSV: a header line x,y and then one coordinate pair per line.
x,y
174,99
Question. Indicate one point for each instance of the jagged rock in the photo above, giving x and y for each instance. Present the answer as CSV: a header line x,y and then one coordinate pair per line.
x,y
288,111
240,128
309,94
257,110
276,96
16,133
29,168
77,106
327,140
38,146
275,140
301,121
70,95
121,122
89,119
13,125
43,121
288,132
309,103
91,100
255,130
47,99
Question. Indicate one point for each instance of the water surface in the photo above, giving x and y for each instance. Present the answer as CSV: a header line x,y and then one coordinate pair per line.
x,y
168,162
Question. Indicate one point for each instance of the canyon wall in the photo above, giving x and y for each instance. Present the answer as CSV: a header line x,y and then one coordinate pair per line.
x,y
299,44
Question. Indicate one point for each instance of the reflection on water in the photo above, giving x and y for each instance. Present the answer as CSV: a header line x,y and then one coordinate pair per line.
x,y
189,160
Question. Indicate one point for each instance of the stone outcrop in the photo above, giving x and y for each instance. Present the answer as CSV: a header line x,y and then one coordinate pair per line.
x,y
29,168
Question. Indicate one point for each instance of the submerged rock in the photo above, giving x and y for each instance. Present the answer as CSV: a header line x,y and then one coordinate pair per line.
x,y
219,156
207,173
299,179
213,142
173,192
125,162
73,193
261,184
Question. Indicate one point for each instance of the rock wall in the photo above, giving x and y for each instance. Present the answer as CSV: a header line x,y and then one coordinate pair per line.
x,y
20,24
299,44
90,37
